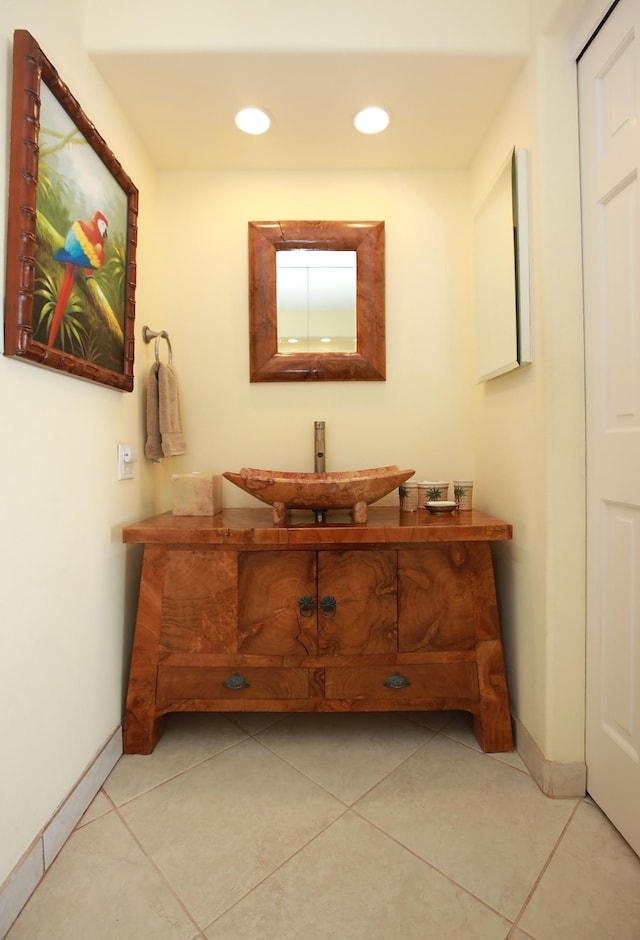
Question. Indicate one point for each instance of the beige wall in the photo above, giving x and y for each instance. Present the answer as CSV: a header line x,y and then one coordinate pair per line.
x,y
457,25
509,440
418,418
67,583
529,426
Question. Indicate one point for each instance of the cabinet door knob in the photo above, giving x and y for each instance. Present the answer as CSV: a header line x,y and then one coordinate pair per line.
x,y
305,604
397,681
328,607
236,681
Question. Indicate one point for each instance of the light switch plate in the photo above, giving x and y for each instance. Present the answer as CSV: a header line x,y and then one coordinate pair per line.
x,y
126,460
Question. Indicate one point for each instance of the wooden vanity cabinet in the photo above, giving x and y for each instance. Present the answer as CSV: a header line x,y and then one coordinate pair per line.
x,y
236,614
327,603
333,607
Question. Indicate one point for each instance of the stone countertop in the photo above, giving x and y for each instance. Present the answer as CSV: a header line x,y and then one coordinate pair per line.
x,y
254,528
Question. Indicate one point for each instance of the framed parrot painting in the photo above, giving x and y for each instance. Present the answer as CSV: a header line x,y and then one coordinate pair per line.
x,y
71,234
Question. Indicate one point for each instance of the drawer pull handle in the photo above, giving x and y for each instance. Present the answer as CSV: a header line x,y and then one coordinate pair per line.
x,y
305,604
396,681
236,681
328,607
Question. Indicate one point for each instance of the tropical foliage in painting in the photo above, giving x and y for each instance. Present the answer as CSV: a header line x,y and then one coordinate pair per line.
x,y
81,227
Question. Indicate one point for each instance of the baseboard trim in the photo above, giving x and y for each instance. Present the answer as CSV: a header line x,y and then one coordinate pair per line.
x,y
555,778
30,870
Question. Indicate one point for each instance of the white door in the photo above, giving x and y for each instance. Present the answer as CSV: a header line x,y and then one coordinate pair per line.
x,y
609,93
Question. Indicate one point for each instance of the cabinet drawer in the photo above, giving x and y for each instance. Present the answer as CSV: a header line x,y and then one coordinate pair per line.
x,y
429,681
226,682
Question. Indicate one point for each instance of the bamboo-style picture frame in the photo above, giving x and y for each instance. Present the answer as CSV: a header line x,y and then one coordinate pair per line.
x,y
71,233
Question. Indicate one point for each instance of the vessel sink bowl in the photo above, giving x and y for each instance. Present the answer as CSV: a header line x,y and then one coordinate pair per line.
x,y
351,489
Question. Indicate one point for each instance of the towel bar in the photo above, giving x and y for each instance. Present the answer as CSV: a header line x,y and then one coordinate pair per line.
x,y
148,335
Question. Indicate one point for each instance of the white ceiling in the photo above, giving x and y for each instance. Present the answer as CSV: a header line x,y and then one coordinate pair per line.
x,y
183,106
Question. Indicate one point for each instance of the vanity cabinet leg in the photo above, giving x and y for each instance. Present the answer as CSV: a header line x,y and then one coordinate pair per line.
x,y
141,733
492,723
142,727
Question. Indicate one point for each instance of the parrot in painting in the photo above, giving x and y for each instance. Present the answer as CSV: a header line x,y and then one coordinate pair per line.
x,y
83,249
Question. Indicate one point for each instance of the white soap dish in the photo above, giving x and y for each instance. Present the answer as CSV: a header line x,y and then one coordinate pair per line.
x,y
440,505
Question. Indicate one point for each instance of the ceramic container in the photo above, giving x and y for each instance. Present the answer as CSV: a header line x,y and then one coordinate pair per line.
x,y
408,497
465,501
196,494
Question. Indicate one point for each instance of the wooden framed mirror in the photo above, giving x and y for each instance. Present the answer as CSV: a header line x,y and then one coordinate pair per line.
x,y
272,355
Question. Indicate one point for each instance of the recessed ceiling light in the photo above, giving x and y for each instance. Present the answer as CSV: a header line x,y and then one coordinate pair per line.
x,y
371,121
253,121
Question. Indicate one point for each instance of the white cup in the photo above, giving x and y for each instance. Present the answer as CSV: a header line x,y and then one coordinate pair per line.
x,y
442,486
464,499
408,497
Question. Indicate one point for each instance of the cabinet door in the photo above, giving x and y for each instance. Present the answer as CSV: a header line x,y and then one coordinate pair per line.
x,y
438,599
272,621
198,601
363,619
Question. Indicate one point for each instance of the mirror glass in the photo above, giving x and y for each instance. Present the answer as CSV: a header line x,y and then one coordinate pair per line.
x,y
316,301
502,273
322,286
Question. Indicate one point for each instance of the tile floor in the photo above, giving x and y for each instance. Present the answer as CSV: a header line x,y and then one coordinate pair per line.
x,y
318,827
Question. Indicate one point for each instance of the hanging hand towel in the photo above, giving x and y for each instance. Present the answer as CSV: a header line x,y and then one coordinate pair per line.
x,y
170,415
153,445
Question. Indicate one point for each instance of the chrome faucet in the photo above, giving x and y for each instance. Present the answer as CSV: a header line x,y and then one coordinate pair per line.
x,y
319,455
318,458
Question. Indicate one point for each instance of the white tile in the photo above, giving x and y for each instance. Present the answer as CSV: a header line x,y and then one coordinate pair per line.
x,y
513,759
99,806
555,778
479,821
63,823
459,727
254,722
101,887
591,889
346,753
263,846
20,885
354,882
218,829
434,720
187,740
